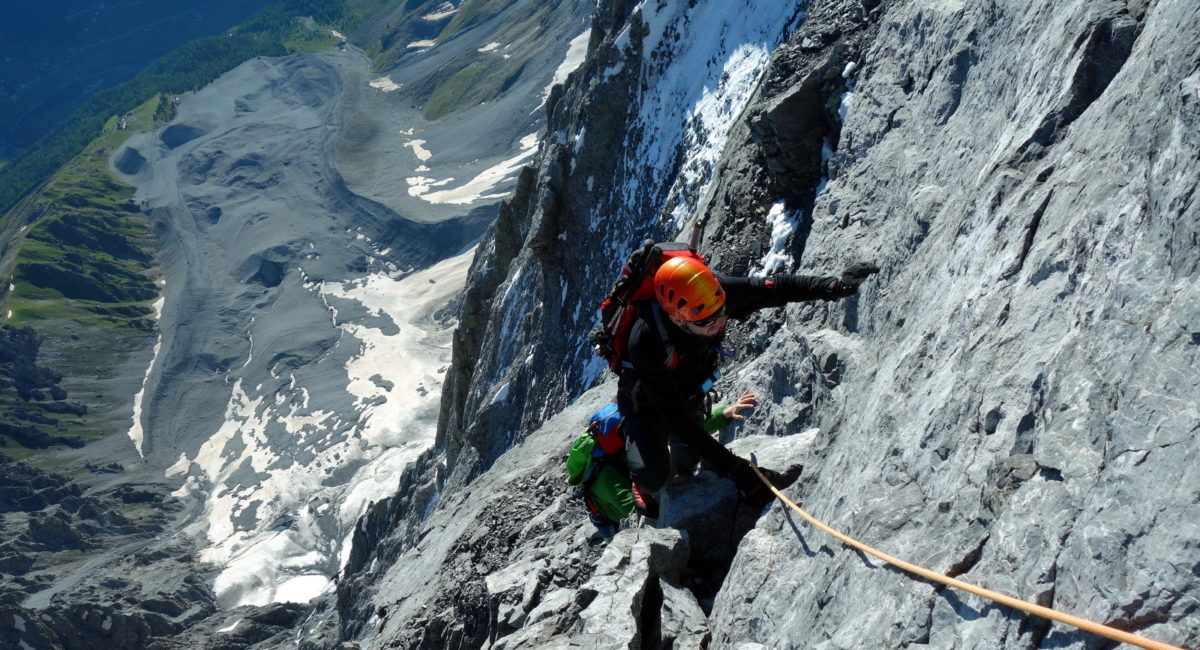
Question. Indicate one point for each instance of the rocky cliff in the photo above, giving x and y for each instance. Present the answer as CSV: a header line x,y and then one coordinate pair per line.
x,y
1011,401
313,229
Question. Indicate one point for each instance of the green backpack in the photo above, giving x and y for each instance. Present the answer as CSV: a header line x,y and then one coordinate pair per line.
x,y
596,464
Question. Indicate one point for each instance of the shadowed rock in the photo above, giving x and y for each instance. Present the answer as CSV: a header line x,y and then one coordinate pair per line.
x,y
179,134
130,161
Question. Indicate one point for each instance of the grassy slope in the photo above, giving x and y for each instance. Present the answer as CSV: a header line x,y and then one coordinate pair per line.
x,y
85,223
468,79
460,84
84,277
79,256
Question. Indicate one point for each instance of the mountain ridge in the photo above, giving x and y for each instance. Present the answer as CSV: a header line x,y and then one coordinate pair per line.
x,y
1009,400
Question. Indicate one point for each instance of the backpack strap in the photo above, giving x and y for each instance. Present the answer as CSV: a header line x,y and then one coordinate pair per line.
x,y
671,361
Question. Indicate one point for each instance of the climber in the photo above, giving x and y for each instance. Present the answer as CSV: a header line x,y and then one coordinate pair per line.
x,y
674,348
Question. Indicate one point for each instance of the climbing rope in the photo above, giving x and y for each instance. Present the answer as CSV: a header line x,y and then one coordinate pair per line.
x,y
1045,612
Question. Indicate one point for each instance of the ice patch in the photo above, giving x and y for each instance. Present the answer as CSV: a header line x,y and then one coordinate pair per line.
x,y
714,56
501,394
418,185
250,336
783,225
180,466
444,10
385,84
302,589
250,577
422,342
418,147
267,511
473,190
576,51
847,99
136,433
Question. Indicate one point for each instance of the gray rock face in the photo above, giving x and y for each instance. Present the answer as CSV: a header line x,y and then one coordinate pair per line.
x,y
303,329
1011,401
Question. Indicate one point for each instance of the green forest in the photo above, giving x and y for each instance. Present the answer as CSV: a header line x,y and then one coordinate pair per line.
x,y
274,31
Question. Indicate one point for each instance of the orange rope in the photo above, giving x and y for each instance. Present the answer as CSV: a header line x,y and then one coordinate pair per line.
x,y
1045,612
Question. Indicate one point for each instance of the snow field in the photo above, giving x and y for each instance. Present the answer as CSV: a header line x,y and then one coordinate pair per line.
x,y
716,54
270,535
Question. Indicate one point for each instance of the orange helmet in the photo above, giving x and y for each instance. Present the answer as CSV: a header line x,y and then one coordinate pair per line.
x,y
687,288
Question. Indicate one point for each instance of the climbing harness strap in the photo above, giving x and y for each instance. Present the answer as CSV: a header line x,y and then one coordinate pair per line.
x,y
1038,610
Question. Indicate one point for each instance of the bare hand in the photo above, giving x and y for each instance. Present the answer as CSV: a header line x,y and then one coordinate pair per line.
x,y
745,403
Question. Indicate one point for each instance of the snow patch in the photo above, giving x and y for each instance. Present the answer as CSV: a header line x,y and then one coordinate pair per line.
x,y
424,345
302,589
783,224
231,627
576,51
490,47
267,512
714,56
501,394
418,185
421,44
847,99
385,84
136,433
180,466
419,150
473,190
444,10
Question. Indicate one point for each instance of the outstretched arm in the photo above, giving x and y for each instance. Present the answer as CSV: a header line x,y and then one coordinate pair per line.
x,y
747,295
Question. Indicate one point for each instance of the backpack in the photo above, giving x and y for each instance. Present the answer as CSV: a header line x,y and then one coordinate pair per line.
x,y
635,285
596,464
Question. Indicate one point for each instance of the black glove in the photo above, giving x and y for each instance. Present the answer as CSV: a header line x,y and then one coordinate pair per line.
x,y
857,272
754,491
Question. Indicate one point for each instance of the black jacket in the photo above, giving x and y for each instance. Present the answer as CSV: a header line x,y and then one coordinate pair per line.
x,y
667,379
